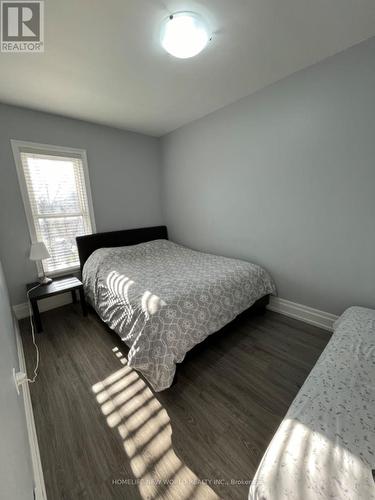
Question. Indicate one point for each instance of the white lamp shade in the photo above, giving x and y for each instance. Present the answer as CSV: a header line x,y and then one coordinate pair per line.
x,y
38,251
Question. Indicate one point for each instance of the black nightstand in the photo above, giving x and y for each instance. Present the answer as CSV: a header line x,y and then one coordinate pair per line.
x,y
58,285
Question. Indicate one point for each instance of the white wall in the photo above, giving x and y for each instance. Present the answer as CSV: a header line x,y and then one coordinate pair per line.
x,y
124,175
16,481
286,178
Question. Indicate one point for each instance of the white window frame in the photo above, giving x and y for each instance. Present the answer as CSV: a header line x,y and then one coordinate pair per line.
x,y
17,147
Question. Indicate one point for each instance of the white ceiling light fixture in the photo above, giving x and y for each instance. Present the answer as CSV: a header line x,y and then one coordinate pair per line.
x,y
184,34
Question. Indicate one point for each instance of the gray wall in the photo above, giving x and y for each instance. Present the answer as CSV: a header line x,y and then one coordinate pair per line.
x,y
124,175
16,480
286,178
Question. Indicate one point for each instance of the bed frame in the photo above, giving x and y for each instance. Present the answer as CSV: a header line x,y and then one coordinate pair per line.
x,y
88,244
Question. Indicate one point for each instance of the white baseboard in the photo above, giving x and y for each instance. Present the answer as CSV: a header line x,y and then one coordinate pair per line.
x,y
39,486
22,310
306,314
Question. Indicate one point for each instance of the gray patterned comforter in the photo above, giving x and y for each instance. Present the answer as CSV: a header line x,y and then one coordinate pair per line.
x,y
325,446
163,299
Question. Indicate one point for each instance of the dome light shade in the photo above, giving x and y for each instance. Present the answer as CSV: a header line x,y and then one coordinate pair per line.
x,y
184,34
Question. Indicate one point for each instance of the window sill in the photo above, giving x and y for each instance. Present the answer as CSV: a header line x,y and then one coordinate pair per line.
x,y
60,272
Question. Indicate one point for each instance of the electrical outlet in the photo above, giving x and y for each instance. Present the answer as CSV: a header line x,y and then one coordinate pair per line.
x,y
19,379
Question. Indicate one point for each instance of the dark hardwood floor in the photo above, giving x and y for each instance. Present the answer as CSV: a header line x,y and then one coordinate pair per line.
x,y
103,434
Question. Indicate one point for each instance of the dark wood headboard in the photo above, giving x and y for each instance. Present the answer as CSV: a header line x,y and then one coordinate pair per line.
x,y
88,244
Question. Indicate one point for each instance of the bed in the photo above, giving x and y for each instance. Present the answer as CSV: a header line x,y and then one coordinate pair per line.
x,y
161,298
325,446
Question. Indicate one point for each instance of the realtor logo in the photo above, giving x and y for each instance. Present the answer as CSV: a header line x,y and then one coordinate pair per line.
x,y
22,26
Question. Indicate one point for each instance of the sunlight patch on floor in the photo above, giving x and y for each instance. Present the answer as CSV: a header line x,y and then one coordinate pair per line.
x,y
129,405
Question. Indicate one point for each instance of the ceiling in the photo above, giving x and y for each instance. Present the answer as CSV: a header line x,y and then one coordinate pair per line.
x,y
103,61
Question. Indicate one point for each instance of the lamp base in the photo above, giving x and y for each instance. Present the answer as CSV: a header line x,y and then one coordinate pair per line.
x,y
45,281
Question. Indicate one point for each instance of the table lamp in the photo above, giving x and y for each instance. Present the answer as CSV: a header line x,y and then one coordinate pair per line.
x,y
39,252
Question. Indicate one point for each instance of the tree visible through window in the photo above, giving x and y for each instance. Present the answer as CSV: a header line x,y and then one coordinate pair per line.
x,y
57,203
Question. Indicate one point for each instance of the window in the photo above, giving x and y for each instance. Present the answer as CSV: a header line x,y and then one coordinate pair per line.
x,y
56,194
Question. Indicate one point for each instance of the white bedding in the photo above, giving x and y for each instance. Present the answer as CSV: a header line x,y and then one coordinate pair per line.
x,y
325,446
163,299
